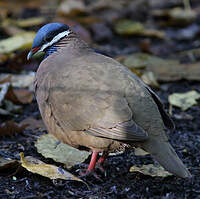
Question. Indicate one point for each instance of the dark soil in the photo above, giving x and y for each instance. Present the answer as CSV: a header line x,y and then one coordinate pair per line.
x,y
118,181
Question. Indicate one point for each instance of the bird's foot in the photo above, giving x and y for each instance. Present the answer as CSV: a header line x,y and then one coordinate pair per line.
x,y
98,166
86,173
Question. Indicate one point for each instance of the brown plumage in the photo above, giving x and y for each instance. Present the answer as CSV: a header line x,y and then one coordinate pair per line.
x,y
92,102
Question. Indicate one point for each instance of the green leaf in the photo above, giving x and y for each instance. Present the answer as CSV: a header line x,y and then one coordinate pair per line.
x,y
50,147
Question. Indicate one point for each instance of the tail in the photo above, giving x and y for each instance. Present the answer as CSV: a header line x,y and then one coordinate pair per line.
x,y
163,152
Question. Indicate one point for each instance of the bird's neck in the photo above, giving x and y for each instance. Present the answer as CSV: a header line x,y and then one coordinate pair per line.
x,y
70,42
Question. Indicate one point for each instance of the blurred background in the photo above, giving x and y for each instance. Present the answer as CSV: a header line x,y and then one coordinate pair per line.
x,y
158,40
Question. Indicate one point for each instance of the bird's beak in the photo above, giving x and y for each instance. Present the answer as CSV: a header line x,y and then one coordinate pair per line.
x,y
32,52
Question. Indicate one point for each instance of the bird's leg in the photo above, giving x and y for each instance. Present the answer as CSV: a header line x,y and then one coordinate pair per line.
x,y
91,166
101,161
102,158
93,161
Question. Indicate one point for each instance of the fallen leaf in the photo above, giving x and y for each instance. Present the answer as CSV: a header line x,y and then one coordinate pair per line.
x,y
11,29
71,8
30,22
50,147
184,100
19,96
7,163
11,108
140,152
20,80
182,15
129,27
151,170
150,79
104,4
24,96
9,128
3,91
21,41
4,112
163,69
176,16
6,106
33,124
47,170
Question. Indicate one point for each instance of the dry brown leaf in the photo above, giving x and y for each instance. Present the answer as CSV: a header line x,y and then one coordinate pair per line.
x,y
7,163
33,124
19,96
47,170
151,170
163,69
71,8
20,80
9,128
24,96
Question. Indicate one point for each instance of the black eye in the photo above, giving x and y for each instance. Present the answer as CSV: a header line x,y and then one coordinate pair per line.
x,y
48,38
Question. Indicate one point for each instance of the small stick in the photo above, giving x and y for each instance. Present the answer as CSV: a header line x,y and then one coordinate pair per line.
x,y
187,4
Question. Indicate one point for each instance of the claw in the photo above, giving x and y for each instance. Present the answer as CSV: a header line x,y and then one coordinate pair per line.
x,y
93,164
86,172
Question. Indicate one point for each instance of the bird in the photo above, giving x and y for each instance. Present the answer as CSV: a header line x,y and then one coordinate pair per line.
x,y
92,102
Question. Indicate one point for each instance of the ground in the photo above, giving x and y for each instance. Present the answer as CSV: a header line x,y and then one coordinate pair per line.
x,y
118,182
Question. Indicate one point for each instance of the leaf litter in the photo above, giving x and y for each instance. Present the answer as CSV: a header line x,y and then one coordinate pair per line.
x,y
51,147
152,170
47,170
108,13
184,100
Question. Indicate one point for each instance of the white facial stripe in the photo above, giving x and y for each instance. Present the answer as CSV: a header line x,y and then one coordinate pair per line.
x,y
55,39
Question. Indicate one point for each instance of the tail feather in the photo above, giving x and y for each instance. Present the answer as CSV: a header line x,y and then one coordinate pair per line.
x,y
163,152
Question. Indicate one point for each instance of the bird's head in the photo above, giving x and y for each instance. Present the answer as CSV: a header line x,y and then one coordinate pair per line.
x,y
48,35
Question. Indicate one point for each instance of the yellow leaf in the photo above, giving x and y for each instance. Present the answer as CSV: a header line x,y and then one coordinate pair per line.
x,y
150,79
21,41
140,152
151,170
30,22
129,27
47,170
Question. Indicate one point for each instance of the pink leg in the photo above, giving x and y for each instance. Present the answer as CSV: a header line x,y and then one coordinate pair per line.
x,y
91,167
102,158
93,161
101,161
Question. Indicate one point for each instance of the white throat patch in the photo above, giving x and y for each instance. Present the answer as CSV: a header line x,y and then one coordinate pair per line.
x,y
54,40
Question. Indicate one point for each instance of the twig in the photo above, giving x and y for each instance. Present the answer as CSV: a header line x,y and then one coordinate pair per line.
x,y
187,4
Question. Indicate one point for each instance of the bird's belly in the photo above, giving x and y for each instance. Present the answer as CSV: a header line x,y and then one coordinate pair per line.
x,y
78,139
